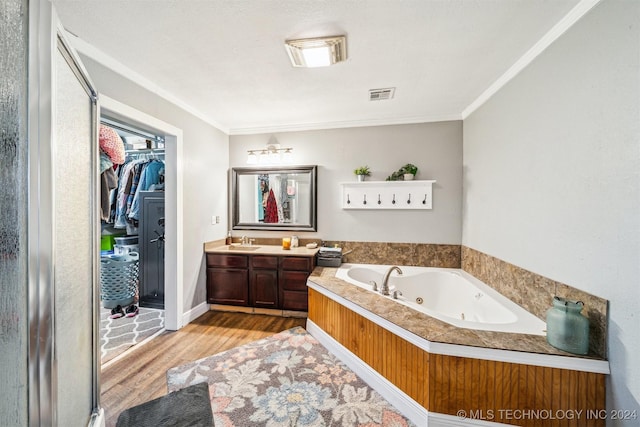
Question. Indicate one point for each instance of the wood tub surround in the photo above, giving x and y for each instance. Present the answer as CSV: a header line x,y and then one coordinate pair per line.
x,y
445,382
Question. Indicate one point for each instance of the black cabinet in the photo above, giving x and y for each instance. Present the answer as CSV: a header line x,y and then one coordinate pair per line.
x,y
151,246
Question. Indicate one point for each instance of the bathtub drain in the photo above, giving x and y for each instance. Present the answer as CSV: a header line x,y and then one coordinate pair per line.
x,y
419,300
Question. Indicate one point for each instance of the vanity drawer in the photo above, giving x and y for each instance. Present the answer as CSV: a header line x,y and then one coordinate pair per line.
x,y
296,263
262,261
294,280
293,300
219,260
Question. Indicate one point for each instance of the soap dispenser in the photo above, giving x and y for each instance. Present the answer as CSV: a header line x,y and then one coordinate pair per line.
x,y
229,240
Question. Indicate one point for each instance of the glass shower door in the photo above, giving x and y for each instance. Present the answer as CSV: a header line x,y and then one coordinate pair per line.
x,y
63,229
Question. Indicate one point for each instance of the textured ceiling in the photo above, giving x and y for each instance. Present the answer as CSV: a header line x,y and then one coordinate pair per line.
x,y
226,60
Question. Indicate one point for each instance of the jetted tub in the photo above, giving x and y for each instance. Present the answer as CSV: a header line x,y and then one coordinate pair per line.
x,y
448,294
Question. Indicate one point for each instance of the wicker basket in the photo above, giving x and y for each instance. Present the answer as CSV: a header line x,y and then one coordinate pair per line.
x,y
118,279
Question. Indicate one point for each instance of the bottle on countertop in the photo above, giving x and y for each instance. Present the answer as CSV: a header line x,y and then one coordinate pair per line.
x,y
294,241
229,239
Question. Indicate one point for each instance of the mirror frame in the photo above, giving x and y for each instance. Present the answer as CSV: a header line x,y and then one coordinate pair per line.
x,y
237,172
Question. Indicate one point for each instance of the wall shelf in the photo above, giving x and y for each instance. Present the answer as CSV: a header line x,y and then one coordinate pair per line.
x,y
387,195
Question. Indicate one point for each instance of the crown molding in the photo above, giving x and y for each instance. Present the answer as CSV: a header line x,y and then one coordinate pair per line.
x,y
344,124
552,35
118,67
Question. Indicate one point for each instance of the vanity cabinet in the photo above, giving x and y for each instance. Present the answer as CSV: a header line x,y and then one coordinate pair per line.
x,y
266,281
294,272
227,279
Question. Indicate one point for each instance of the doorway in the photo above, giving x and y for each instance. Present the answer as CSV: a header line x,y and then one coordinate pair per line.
x,y
172,224
132,171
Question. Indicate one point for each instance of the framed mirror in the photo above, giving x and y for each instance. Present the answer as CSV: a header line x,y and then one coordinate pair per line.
x,y
274,198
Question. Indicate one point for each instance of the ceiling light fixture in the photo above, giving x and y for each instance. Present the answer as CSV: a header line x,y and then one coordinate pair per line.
x,y
317,52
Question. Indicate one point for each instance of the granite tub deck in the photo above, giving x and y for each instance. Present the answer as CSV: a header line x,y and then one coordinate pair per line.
x,y
434,330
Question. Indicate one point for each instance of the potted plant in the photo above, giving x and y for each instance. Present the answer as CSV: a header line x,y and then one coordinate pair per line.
x,y
409,171
406,173
362,172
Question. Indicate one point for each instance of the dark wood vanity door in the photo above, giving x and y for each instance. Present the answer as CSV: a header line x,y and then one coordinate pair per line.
x,y
228,286
264,288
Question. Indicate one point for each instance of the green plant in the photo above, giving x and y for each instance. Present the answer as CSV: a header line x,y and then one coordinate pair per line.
x,y
362,170
409,168
399,174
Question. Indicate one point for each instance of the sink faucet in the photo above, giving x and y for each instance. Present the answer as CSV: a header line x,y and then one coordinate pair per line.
x,y
243,241
384,288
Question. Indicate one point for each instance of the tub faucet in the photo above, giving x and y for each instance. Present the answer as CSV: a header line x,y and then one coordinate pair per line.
x,y
384,288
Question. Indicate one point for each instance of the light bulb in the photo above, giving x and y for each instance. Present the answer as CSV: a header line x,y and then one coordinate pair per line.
x,y
252,159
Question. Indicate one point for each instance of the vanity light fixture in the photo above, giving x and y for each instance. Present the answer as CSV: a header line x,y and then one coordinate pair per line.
x,y
317,52
252,158
272,154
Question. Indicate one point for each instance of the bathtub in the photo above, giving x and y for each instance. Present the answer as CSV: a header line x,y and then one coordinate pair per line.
x,y
450,295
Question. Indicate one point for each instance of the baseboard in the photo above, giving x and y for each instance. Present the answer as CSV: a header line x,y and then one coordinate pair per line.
x,y
258,310
396,397
443,420
194,313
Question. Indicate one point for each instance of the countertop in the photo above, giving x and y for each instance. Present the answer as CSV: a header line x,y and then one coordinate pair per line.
x,y
432,329
258,249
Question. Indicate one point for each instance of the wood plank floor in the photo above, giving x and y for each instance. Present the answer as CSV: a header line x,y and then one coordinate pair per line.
x,y
141,375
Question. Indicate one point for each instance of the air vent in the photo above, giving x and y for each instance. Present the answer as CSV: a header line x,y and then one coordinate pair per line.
x,y
381,94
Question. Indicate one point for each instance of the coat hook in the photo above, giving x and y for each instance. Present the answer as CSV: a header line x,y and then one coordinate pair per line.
x,y
409,199
365,200
348,201
394,199
424,202
379,202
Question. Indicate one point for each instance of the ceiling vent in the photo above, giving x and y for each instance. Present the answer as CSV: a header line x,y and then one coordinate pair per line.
x,y
381,94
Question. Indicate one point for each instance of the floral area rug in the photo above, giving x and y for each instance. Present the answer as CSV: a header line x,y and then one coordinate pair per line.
x,y
288,379
118,335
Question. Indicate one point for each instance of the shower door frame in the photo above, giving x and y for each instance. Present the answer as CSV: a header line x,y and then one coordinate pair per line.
x,y
46,41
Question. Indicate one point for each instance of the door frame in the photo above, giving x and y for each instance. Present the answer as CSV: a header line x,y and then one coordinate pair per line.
x,y
173,266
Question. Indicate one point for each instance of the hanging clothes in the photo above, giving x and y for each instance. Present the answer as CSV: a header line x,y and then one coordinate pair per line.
x,y
108,181
135,175
271,215
150,175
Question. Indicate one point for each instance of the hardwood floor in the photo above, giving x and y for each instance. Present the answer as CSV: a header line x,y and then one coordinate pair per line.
x,y
141,375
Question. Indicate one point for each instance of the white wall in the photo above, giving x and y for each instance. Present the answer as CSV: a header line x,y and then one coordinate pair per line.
x,y
436,148
552,175
205,162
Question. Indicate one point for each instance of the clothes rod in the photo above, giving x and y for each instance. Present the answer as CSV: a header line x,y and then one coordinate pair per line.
x,y
130,130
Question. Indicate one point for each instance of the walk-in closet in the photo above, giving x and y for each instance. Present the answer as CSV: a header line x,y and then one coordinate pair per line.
x,y
132,212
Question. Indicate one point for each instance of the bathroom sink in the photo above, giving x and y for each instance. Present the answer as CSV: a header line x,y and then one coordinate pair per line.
x,y
243,248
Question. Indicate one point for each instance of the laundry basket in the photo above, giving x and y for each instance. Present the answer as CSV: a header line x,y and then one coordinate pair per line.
x,y
118,279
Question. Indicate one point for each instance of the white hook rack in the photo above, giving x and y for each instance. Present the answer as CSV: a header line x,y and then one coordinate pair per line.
x,y
387,195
